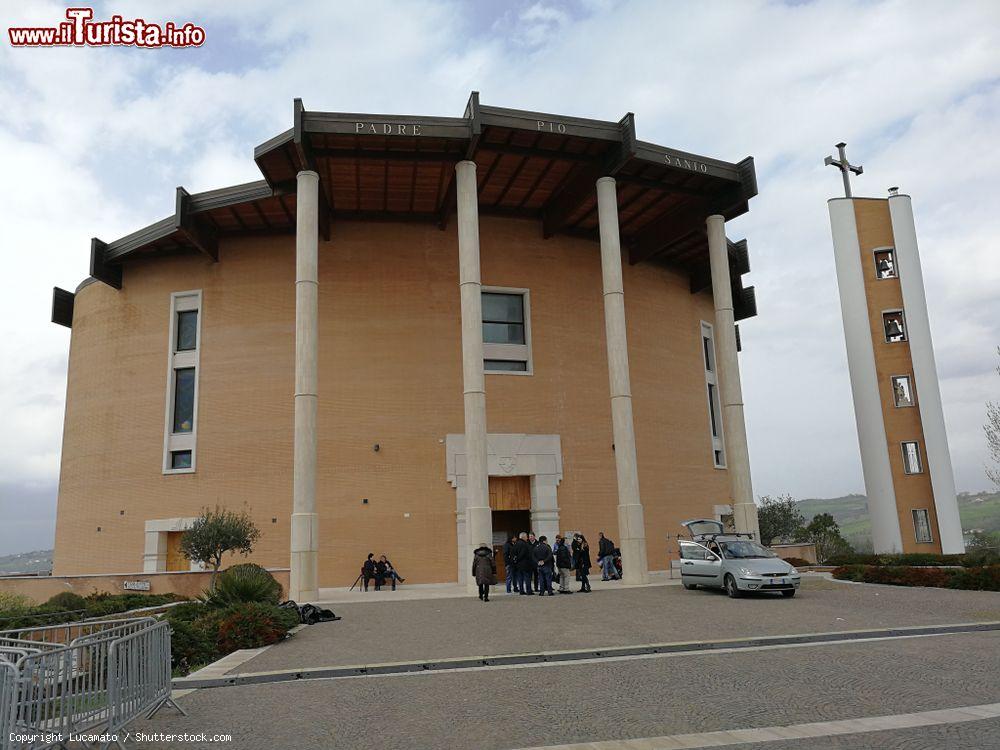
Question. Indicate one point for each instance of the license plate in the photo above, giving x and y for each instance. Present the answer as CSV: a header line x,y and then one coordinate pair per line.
x,y
783,581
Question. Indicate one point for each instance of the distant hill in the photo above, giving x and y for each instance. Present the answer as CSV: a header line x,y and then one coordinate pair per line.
x,y
39,561
979,512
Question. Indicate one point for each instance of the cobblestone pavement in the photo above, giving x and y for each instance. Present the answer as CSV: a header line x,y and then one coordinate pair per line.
x,y
500,709
442,628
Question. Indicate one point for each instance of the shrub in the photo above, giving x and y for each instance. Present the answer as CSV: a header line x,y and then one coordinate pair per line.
x,y
67,601
104,604
982,578
14,604
986,578
982,556
797,562
192,643
243,583
251,625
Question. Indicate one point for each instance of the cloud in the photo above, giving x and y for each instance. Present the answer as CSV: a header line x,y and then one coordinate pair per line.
x,y
96,141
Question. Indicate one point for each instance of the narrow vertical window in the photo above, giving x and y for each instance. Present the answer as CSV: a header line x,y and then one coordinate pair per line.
x,y
922,526
183,363
712,391
911,457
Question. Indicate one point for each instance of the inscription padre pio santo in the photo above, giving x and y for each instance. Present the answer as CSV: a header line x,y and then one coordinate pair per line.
x,y
545,126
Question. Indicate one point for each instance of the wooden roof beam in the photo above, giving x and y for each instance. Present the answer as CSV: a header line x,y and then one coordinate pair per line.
x,y
661,234
194,229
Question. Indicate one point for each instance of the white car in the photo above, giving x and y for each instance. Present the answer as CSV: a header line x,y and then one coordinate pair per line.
x,y
715,559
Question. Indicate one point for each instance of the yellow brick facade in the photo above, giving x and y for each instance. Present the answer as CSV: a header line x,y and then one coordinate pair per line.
x,y
389,373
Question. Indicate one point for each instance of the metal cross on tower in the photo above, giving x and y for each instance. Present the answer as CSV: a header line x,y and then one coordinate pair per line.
x,y
844,166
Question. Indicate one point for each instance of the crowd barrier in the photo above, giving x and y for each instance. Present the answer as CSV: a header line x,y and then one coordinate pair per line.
x,y
60,682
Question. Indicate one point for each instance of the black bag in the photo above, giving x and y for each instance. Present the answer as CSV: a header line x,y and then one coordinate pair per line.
x,y
310,614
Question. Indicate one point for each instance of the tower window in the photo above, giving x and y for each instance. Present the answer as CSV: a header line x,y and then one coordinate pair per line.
x,y
506,331
885,264
902,391
712,391
911,458
894,325
922,526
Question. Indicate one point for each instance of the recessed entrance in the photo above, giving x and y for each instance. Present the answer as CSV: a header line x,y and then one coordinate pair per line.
x,y
510,501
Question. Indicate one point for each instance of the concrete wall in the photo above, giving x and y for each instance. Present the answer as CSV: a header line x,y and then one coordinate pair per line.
x,y
389,373
189,584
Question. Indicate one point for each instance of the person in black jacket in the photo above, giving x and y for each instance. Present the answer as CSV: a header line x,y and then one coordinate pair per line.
x,y
523,565
532,542
484,570
508,560
383,570
564,563
368,569
606,558
583,564
544,560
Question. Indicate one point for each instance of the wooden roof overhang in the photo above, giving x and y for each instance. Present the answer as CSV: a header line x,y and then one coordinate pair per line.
x,y
529,164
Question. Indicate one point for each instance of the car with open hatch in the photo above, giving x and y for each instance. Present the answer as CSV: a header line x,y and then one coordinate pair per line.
x,y
715,558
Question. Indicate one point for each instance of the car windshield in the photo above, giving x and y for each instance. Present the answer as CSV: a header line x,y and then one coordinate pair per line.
x,y
743,550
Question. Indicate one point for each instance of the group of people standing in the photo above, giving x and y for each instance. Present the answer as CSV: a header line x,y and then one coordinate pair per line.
x,y
532,565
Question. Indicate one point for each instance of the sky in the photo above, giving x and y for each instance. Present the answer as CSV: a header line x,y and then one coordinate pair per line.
x,y
93,142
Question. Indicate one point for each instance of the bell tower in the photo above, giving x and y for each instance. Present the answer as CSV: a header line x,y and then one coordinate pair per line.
x,y
897,400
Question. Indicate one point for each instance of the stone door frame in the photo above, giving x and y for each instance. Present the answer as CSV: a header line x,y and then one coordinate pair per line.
x,y
510,454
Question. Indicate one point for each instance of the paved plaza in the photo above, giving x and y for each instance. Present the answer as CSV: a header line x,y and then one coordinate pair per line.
x,y
933,690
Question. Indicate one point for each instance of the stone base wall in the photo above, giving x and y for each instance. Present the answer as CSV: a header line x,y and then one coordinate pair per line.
x,y
185,583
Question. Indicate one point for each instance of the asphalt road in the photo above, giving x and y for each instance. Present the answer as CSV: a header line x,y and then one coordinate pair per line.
x,y
616,699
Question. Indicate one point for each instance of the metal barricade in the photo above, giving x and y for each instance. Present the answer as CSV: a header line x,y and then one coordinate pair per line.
x,y
105,677
8,703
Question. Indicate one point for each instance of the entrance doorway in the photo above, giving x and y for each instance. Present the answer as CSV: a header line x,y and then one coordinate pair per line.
x,y
510,501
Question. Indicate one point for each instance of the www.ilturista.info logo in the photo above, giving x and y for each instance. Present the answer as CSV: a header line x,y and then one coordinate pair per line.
x,y
80,30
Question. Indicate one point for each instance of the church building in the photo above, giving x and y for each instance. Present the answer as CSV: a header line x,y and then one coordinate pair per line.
x,y
412,336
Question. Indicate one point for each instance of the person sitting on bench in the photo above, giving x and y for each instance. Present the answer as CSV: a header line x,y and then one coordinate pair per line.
x,y
368,570
383,571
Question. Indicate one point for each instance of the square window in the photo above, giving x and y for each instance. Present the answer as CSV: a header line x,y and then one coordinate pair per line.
x,y
902,391
911,458
885,264
922,526
894,325
187,330
180,459
503,318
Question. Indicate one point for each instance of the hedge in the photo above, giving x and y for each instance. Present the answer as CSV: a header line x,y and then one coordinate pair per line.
x,y
973,559
984,578
69,607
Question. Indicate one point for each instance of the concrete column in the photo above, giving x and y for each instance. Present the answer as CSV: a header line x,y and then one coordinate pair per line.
x,y
918,333
303,583
734,430
478,519
875,463
631,527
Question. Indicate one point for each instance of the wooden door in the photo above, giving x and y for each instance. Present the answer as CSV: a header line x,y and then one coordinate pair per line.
x,y
510,493
175,558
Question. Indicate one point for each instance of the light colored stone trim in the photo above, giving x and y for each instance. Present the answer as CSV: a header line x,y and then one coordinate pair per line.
x,y
508,454
154,558
187,441
875,462
512,352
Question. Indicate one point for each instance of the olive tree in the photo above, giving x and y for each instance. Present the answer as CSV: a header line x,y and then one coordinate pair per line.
x,y
216,532
779,518
992,428
824,532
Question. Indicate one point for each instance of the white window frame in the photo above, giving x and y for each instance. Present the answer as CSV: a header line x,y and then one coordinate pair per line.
x,y
913,391
930,532
920,458
895,264
712,379
180,360
511,352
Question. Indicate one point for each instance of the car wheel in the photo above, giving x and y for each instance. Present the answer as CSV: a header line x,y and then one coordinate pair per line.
x,y
788,594
731,587
690,586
